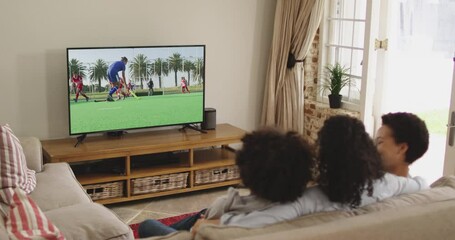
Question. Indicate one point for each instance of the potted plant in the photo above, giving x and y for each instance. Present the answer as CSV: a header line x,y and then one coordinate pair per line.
x,y
335,78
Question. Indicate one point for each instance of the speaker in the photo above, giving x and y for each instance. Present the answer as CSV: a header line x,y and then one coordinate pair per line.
x,y
209,122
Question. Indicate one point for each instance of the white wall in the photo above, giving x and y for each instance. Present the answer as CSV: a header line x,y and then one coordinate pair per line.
x,y
34,36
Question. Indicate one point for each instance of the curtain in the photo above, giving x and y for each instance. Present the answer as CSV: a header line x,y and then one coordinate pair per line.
x,y
296,23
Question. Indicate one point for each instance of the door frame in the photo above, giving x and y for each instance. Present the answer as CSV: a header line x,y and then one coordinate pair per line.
x,y
449,158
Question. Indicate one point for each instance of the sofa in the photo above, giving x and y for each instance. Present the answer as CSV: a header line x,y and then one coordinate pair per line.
x,y
428,214
65,202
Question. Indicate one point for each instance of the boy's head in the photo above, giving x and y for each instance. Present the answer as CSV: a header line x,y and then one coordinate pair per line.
x,y
402,139
274,165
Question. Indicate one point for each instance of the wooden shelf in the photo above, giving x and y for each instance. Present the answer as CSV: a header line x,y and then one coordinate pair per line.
x,y
212,158
99,178
141,154
217,184
159,170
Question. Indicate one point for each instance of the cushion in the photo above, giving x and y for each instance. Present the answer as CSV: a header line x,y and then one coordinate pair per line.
x,y
57,180
13,166
33,152
227,232
444,181
89,221
25,220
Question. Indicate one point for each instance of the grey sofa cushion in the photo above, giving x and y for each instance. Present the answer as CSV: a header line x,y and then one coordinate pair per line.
x,y
89,221
33,153
58,183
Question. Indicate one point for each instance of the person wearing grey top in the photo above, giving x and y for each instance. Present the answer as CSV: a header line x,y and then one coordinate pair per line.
x,y
351,175
275,166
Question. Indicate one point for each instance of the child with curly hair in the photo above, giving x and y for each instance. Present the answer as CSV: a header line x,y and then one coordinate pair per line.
x,y
350,175
274,165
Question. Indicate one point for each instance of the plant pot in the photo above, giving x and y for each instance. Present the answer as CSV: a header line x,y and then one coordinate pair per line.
x,y
335,101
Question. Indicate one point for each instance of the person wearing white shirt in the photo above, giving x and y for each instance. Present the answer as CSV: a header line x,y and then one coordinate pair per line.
x,y
274,165
351,175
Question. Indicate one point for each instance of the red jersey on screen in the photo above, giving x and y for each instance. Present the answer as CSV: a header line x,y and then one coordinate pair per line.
x,y
77,80
183,83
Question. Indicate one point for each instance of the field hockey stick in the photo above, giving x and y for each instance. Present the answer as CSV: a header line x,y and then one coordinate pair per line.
x,y
134,95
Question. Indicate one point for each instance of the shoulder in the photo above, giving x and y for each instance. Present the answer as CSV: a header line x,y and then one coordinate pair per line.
x,y
390,179
392,185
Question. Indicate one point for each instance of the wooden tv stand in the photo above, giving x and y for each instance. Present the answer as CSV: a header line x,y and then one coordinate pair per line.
x,y
193,151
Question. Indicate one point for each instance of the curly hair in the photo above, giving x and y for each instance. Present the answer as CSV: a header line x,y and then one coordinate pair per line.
x,y
410,129
274,165
348,160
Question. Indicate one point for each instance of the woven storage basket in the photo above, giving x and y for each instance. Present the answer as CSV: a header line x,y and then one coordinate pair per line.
x,y
216,174
105,190
159,183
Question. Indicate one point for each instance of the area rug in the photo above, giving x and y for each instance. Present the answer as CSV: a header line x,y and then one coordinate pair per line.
x,y
167,221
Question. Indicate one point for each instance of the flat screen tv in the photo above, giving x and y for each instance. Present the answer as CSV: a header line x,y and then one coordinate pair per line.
x,y
158,86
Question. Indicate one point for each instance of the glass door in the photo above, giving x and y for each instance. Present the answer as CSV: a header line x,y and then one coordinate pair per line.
x,y
415,70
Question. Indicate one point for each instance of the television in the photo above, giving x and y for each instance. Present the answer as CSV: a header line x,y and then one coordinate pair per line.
x,y
162,86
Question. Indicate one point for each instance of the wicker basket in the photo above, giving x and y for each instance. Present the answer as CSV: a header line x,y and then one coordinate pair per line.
x,y
105,190
159,183
216,174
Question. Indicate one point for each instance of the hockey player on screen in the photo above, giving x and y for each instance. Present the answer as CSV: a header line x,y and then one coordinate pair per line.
x,y
76,80
112,74
184,85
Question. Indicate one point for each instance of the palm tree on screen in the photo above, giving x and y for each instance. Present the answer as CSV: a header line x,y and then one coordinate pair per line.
x,y
98,72
160,68
175,63
77,66
139,68
198,70
188,66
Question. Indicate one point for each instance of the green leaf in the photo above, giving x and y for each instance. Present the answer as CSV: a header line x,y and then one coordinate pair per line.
x,y
335,78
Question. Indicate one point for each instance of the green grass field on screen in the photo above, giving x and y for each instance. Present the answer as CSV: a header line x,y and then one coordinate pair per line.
x,y
130,113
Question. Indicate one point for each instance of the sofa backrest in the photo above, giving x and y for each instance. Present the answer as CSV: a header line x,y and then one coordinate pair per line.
x,y
33,153
442,190
427,221
229,232
431,195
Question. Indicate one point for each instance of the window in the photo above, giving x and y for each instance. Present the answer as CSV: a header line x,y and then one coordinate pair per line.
x,y
343,41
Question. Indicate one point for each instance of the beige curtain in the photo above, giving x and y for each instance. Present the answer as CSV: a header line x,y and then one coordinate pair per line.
x,y
296,23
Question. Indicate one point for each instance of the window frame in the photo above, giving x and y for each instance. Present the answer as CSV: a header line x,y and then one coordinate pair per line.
x,y
324,50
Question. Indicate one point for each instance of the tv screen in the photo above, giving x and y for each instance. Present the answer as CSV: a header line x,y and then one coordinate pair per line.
x,y
121,88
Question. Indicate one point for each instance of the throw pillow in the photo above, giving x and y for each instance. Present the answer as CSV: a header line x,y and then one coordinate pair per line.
x,y
13,166
444,181
26,221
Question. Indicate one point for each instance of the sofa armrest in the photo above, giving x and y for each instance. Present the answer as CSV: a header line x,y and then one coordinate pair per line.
x,y
89,221
33,153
